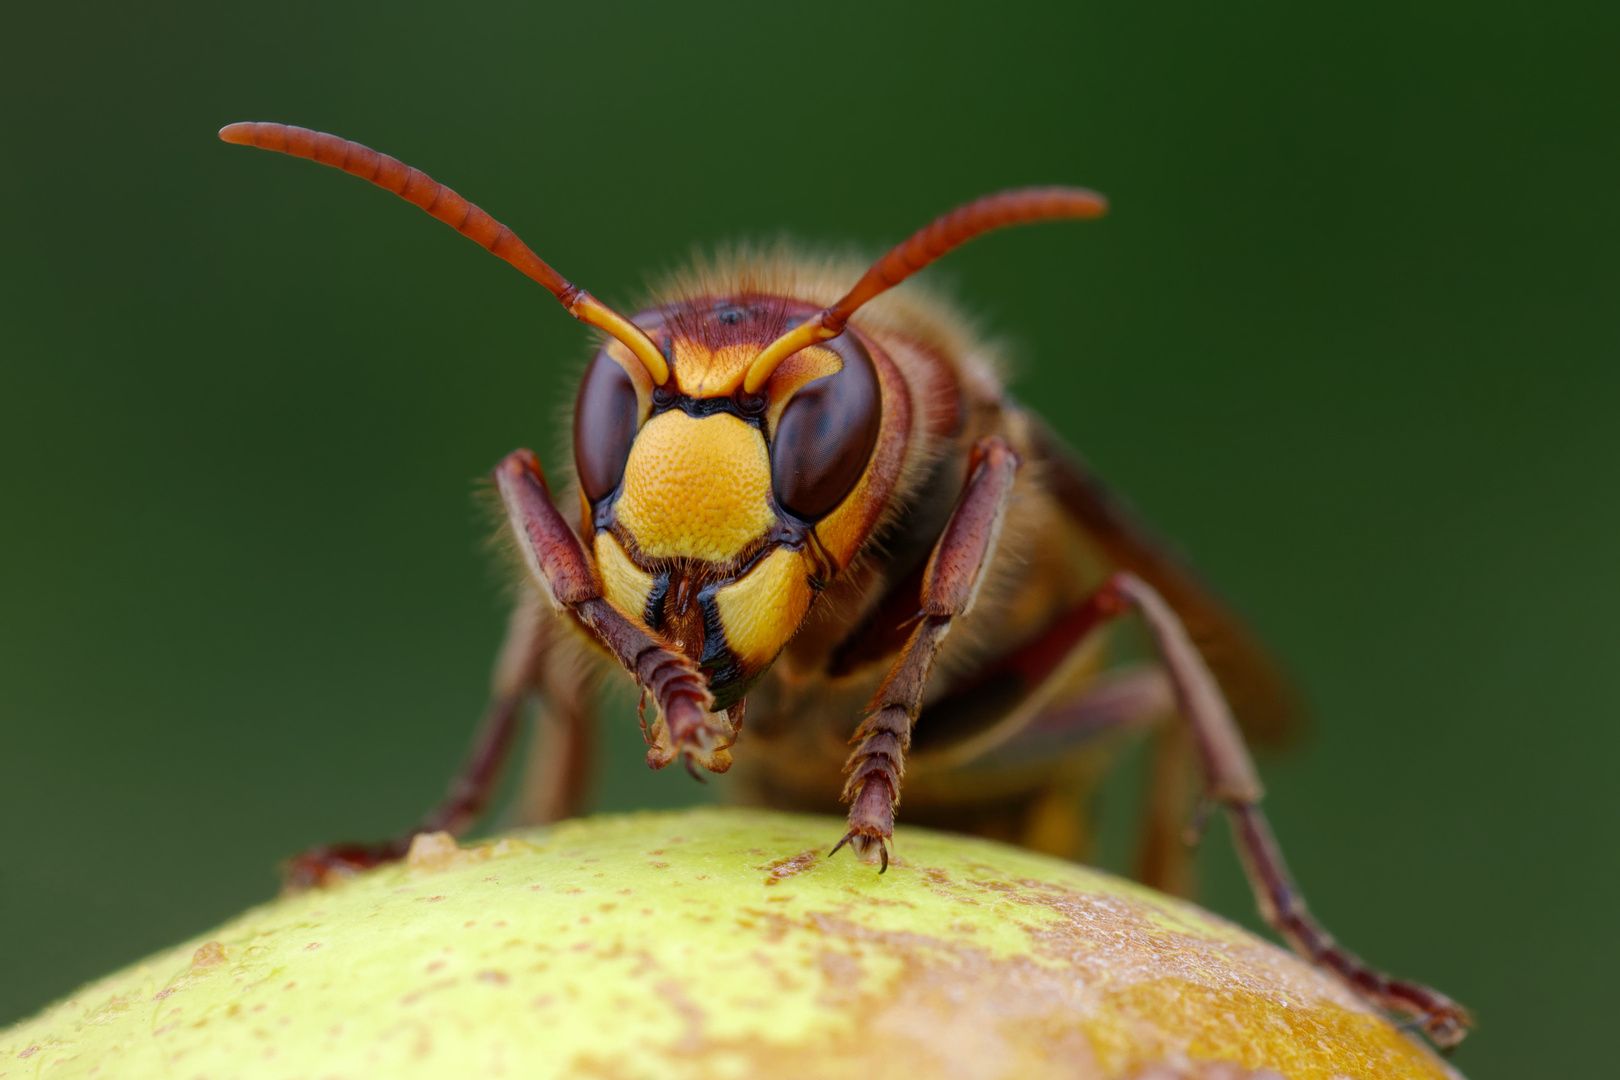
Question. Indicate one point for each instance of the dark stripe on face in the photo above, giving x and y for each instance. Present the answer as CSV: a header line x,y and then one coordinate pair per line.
x,y
728,680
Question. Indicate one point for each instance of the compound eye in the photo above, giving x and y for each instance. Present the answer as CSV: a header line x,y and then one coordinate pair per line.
x,y
605,415
826,434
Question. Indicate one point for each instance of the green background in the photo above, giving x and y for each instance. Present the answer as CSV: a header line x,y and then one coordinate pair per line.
x,y
1350,336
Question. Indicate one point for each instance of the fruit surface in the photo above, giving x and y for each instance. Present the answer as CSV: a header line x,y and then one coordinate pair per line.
x,y
717,943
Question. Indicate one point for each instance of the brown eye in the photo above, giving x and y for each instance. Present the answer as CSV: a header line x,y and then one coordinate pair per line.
x,y
826,434
604,427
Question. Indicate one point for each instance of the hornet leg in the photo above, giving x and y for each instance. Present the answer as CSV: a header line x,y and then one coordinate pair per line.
x,y
557,775
1230,780
950,585
559,565
562,572
473,785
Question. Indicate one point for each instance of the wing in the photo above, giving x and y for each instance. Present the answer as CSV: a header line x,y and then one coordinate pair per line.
x,y
1267,706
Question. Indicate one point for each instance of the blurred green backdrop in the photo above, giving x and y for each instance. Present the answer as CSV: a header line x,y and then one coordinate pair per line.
x,y
1350,335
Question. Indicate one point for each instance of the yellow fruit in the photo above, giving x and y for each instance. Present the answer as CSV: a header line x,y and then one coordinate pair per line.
x,y
713,944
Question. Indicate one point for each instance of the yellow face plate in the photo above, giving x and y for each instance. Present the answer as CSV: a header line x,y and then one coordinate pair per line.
x,y
763,609
698,488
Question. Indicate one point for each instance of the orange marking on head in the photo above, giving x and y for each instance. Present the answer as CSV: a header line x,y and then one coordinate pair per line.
x,y
704,372
802,367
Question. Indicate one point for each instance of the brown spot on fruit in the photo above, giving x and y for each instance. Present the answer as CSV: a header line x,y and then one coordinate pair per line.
x,y
209,954
787,867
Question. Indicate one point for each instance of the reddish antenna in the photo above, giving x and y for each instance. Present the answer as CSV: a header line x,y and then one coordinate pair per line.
x,y
1020,206
415,186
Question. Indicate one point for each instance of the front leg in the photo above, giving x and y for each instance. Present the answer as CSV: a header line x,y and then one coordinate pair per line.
x,y
950,585
559,565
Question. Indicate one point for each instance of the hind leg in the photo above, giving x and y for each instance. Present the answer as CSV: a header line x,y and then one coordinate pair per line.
x,y
1210,738
1229,779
